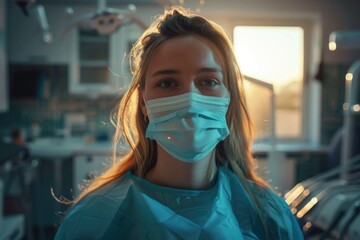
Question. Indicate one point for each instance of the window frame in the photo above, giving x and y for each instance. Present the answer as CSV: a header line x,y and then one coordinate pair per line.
x,y
311,97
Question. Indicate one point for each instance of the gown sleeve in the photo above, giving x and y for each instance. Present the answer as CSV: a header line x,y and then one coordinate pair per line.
x,y
283,224
293,226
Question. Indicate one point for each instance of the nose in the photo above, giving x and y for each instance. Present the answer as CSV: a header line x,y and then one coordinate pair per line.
x,y
190,87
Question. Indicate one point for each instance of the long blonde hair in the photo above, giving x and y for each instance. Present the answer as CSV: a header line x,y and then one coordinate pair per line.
x,y
234,152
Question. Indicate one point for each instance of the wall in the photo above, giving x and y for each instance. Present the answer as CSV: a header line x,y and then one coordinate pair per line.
x,y
3,58
335,15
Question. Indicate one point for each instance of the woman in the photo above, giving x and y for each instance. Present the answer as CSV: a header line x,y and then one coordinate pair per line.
x,y
189,173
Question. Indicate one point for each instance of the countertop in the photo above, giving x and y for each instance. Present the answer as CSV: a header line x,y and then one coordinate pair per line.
x,y
289,148
68,147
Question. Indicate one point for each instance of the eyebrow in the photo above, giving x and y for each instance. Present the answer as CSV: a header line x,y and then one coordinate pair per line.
x,y
173,71
209,69
165,71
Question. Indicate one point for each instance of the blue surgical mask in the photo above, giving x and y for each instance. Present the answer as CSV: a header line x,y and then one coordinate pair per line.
x,y
188,126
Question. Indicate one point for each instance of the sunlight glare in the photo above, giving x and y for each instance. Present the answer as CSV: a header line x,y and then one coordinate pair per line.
x,y
271,54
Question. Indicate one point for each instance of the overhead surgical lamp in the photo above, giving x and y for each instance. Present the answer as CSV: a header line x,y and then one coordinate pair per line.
x,y
105,20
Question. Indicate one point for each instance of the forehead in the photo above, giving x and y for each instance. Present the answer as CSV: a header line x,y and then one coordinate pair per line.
x,y
185,51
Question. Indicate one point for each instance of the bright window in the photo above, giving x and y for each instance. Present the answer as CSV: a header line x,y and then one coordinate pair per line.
x,y
274,55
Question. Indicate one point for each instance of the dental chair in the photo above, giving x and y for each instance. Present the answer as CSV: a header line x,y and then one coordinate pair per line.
x,y
17,172
327,206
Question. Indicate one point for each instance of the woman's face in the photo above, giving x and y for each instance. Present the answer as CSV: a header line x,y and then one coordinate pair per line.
x,y
182,65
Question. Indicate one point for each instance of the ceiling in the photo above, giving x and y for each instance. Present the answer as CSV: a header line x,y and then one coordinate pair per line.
x,y
136,2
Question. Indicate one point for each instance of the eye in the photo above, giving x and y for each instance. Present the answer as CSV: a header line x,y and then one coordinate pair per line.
x,y
210,82
167,83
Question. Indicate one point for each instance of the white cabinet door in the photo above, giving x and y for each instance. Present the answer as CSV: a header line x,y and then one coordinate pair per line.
x,y
94,62
85,168
93,74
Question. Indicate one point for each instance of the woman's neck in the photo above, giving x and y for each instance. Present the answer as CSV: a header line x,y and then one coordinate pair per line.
x,y
170,172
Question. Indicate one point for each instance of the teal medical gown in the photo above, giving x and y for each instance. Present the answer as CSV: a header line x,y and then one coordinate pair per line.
x,y
133,208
